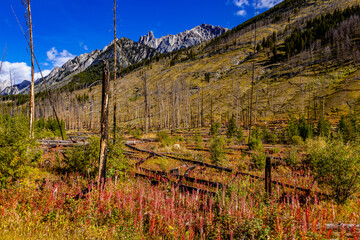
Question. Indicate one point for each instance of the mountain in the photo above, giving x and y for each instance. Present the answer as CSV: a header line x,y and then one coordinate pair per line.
x,y
16,89
186,39
4,84
128,53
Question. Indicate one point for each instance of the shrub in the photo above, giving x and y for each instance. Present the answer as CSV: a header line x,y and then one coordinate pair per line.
x,y
335,165
258,160
255,142
217,151
198,140
18,153
84,159
323,129
255,228
138,133
268,136
292,159
299,128
297,140
348,128
305,130
49,127
214,129
164,138
240,138
231,128
292,128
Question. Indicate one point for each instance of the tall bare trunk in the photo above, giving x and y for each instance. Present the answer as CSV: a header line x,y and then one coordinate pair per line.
x,y
114,90
146,102
252,78
104,124
32,95
2,59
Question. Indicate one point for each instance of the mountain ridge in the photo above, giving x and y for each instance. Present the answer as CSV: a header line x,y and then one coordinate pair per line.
x,y
188,38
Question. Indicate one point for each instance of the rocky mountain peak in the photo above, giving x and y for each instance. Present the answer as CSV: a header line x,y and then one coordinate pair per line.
x,y
128,53
188,38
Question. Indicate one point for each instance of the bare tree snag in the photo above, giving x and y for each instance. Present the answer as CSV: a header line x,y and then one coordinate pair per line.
x,y
268,176
2,59
32,95
104,125
30,44
252,78
114,90
146,104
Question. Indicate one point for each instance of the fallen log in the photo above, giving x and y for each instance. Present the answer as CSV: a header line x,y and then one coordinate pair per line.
x,y
182,159
231,170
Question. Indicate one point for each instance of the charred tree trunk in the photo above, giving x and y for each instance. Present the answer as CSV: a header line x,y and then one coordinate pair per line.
x,y
252,79
146,104
104,125
114,90
32,94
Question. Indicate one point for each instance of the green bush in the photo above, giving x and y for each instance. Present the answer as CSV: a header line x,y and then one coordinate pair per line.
x,y
198,140
49,127
255,142
336,166
305,130
240,138
164,138
18,153
214,129
137,133
296,140
231,130
299,128
85,159
348,128
323,128
292,159
268,136
217,151
259,160
255,228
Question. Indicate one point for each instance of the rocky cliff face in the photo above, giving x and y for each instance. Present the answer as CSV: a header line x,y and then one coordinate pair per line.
x,y
128,53
4,84
185,39
16,89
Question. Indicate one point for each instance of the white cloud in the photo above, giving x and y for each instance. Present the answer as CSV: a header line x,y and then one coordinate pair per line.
x,y
59,58
261,4
81,44
268,3
241,3
20,71
240,13
44,73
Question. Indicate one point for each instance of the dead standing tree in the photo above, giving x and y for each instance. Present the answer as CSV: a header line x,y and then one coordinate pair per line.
x,y
26,3
253,77
146,104
104,125
30,45
2,59
114,90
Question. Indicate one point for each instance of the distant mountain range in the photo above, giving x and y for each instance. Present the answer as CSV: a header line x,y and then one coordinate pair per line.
x,y
128,53
189,38
16,89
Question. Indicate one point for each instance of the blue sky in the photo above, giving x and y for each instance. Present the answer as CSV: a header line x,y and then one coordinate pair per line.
x,y
63,28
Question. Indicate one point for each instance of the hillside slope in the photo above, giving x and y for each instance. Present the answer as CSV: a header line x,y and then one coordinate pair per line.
x,y
212,81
